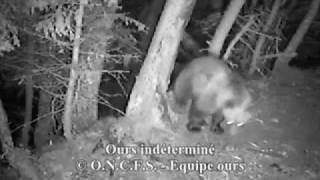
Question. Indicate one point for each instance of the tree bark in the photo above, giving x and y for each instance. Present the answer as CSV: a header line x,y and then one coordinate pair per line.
x,y
282,71
5,134
68,107
43,127
28,109
86,98
155,72
225,26
150,19
28,94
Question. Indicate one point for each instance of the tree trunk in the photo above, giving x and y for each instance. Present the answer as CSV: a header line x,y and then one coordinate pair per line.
x,y
5,134
261,40
84,92
69,102
155,72
17,158
86,98
150,19
282,71
43,127
225,26
28,96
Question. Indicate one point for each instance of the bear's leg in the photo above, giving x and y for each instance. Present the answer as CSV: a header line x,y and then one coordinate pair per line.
x,y
196,118
216,120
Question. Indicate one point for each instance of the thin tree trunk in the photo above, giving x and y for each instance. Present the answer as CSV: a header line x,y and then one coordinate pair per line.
x,y
155,72
86,99
68,107
43,127
17,158
28,111
262,38
28,97
5,134
225,26
85,103
281,70
150,19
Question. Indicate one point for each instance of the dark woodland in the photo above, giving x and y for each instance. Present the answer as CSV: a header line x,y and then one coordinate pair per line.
x,y
159,89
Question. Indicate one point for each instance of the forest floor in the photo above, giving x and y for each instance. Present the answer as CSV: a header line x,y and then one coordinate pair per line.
x,y
283,139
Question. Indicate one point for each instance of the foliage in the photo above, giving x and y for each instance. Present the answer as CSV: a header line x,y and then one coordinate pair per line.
x,y
8,35
58,19
50,25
